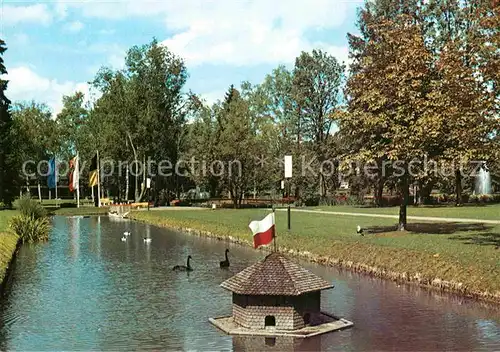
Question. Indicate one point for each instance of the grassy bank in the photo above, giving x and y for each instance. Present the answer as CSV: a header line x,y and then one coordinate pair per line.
x,y
78,211
456,257
480,212
8,241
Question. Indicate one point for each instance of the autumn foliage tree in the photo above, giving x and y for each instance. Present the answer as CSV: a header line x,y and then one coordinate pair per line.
x,y
387,96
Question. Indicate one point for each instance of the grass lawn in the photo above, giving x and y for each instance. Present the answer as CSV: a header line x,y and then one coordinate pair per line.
x,y
5,216
462,253
484,212
8,241
53,202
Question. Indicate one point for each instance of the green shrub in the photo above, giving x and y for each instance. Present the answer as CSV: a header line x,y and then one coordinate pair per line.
x,y
33,224
30,207
30,229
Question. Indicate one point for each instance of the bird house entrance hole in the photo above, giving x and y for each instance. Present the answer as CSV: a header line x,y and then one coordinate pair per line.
x,y
270,321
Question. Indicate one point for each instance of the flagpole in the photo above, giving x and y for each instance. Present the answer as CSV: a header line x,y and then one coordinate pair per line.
x,y
98,181
77,174
274,237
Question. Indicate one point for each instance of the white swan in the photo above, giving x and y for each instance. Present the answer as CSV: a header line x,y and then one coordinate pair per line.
x,y
124,239
126,233
147,240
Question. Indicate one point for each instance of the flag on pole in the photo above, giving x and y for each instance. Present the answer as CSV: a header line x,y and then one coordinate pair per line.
x,y
93,178
73,174
52,174
70,174
263,231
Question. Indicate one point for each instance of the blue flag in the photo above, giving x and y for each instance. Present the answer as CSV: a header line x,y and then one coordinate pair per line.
x,y
52,175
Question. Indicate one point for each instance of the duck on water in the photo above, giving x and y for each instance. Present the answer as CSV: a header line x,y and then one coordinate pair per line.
x,y
186,267
225,263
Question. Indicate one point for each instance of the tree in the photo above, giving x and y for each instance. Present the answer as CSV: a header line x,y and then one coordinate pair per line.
x,y
107,125
202,137
8,173
461,111
463,37
69,125
387,95
317,82
276,124
35,135
236,145
225,140
143,107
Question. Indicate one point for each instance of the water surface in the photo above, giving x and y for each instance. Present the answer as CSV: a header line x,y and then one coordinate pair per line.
x,y
87,290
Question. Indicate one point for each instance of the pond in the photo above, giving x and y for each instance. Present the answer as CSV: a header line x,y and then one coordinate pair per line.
x,y
87,290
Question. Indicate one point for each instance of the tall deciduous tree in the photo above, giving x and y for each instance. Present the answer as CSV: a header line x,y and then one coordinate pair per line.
x,y
464,40
387,96
35,132
144,108
8,174
317,87
237,145
69,125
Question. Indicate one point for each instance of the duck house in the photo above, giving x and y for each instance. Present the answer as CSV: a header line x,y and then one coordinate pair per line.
x,y
277,297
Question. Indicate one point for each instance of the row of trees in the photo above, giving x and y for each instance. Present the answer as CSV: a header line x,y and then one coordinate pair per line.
x,y
422,86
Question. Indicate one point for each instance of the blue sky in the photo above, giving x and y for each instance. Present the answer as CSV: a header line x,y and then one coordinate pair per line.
x,y
55,47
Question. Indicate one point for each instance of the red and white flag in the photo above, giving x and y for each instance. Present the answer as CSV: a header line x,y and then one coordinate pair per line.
x,y
263,231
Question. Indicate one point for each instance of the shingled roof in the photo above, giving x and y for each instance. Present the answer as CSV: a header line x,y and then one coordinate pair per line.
x,y
275,276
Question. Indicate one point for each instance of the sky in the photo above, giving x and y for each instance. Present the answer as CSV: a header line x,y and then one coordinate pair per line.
x,y
56,47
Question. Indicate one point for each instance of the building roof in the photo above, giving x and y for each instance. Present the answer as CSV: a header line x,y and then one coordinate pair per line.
x,y
275,276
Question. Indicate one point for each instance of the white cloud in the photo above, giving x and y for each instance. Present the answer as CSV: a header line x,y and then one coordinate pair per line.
x,y
38,13
246,33
233,32
25,85
113,10
211,98
75,26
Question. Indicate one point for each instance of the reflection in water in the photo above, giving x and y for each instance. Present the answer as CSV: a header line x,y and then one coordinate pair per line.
x,y
75,237
487,330
148,245
261,343
85,289
98,237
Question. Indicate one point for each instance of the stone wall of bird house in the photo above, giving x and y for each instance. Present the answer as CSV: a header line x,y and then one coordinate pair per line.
x,y
289,311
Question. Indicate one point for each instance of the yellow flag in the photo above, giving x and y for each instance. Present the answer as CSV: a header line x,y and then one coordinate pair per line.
x,y
93,176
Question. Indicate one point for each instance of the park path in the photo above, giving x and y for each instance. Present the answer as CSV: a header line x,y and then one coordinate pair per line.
x,y
421,218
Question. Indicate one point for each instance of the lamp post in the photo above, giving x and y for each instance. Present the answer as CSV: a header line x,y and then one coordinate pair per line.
x,y
148,186
288,175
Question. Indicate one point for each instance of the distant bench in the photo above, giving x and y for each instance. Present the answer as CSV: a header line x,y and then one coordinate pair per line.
x,y
139,205
127,207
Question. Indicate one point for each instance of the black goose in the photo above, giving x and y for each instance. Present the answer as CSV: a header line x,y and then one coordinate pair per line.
x,y
225,263
183,267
